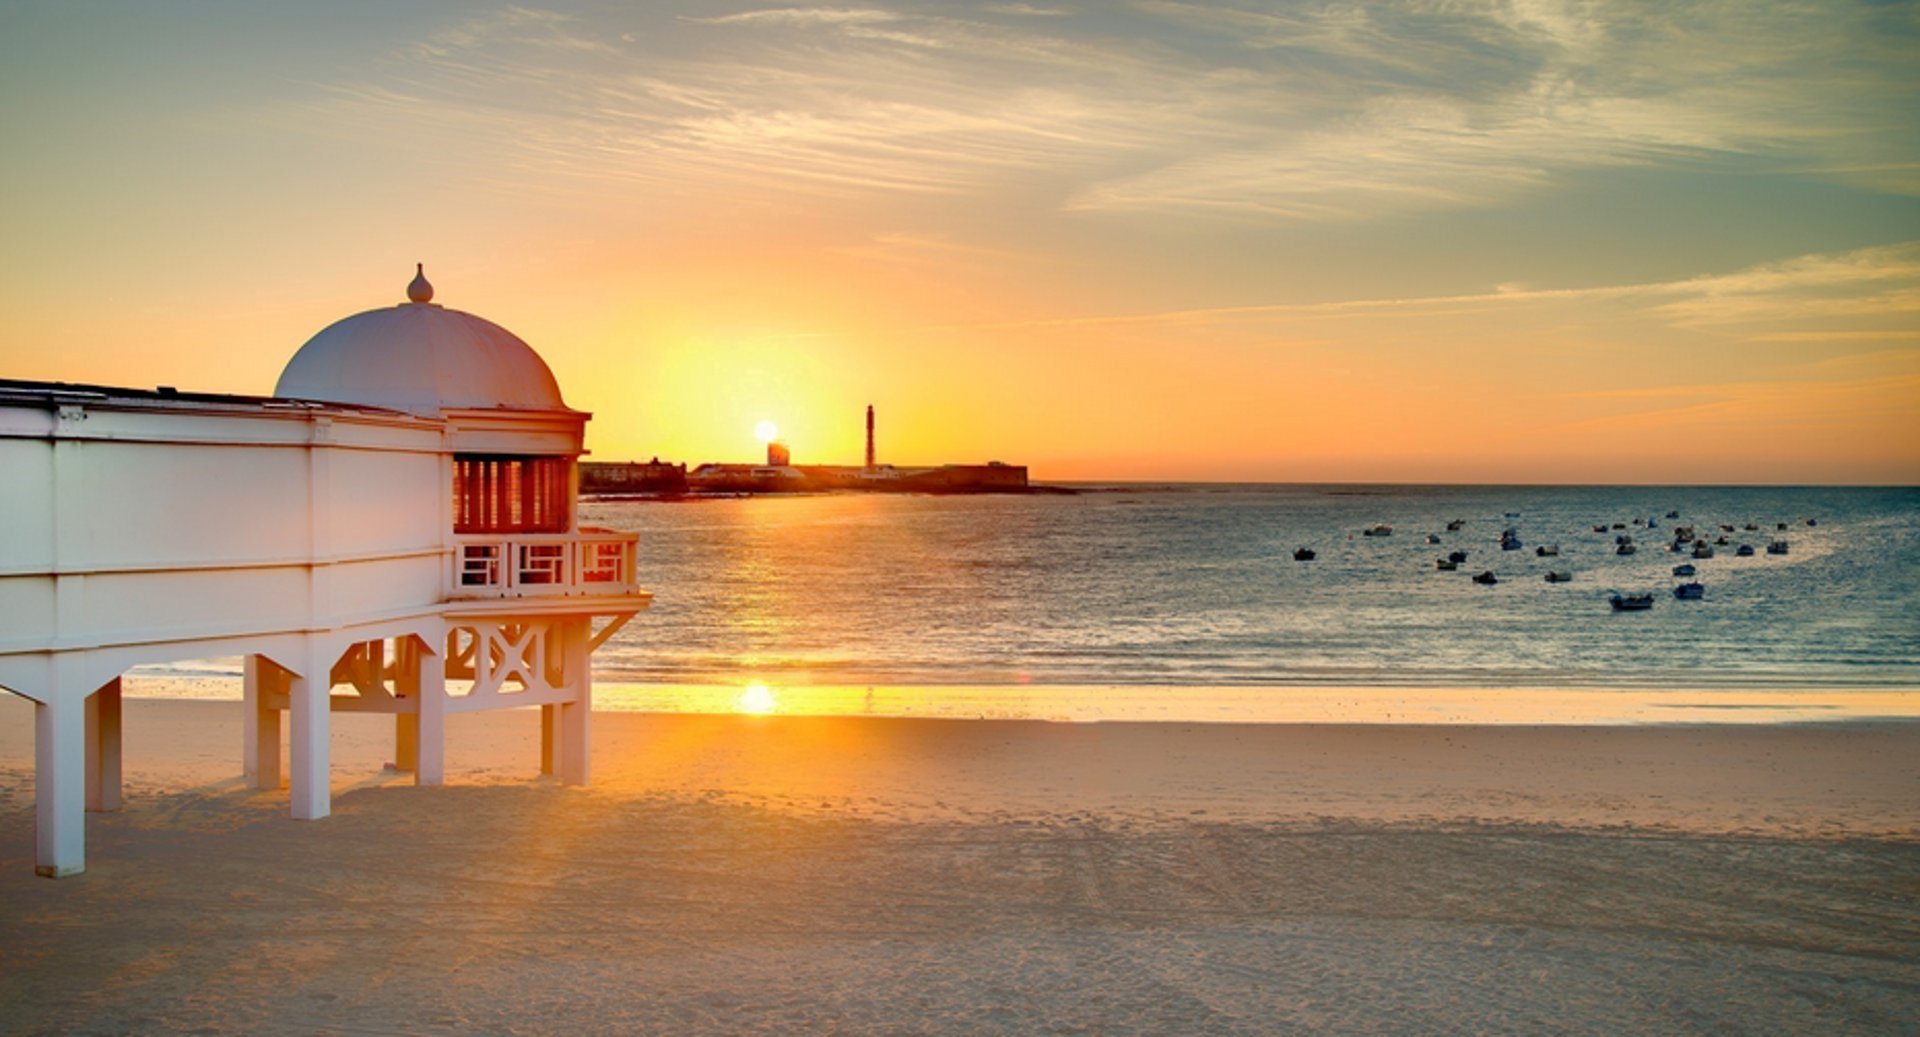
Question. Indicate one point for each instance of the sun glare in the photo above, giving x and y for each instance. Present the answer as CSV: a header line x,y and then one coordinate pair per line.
x,y
756,699
766,431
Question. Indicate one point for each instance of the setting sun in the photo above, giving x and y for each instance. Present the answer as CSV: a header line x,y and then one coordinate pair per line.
x,y
756,699
766,432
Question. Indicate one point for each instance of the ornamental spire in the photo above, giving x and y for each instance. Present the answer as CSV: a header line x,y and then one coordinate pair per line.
x,y
420,289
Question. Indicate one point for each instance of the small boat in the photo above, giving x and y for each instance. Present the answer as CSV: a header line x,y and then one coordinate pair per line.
x,y
1456,557
1749,527
1303,554
1625,549
1673,514
1454,526
1378,530
1445,565
1778,547
1684,570
1781,526
1623,539
1546,550
1719,541
1690,591
1724,528
1745,551
1813,522
1619,525
1631,602
1702,549
1510,539
1683,534
1559,576
1601,528
1487,578
1431,539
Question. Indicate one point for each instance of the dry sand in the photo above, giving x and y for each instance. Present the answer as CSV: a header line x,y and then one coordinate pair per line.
x,y
859,875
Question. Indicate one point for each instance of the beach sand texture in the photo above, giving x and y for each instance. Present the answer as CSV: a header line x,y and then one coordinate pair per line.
x,y
859,875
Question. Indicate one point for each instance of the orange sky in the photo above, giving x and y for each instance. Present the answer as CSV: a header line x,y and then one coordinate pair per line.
x,y
1525,242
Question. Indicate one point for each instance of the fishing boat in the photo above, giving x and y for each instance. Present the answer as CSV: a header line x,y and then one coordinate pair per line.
x,y
1445,565
1377,530
1631,602
1456,557
1510,539
1487,578
1454,526
1690,591
1558,576
1303,554
1432,539
1625,548
1684,570
1745,551
1778,547
1702,549
1546,551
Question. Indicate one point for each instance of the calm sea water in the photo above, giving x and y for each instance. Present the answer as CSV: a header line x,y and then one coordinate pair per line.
x,y
1196,585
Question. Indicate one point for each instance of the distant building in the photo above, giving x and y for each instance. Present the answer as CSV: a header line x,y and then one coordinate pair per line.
x,y
655,477
777,455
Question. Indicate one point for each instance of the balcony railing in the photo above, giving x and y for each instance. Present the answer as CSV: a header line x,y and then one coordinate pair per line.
x,y
592,561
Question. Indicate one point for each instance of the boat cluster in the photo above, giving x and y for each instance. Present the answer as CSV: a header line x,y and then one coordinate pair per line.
x,y
1702,546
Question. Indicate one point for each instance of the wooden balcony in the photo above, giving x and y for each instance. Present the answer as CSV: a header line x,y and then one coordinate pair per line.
x,y
591,562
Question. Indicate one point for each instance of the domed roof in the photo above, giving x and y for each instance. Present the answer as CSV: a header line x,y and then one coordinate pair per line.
x,y
420,357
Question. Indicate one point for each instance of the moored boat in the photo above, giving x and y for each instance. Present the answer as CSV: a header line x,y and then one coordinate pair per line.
x,y
1487,578
1445,565
1379,529
1684,570
1745,551
1631,602
1558,576
1778,547
1690,591
1303,554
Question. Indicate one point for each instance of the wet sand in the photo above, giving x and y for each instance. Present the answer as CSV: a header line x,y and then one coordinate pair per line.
x,y
858,875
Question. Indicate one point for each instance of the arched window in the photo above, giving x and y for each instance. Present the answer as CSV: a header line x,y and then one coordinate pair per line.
x,y
495,493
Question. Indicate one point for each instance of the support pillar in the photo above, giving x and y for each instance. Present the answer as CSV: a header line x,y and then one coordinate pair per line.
x,y
103,747
576,717
430,723
549,731
309,716
60,786
260,716
406,686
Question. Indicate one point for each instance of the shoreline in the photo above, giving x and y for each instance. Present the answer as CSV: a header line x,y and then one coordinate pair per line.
x,y
1857,778
1218,704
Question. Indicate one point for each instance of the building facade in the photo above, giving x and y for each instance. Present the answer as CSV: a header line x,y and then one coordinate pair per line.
x,y
393,531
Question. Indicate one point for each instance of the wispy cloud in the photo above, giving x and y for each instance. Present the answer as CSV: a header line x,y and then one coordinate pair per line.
x,y
1864,283
1329,112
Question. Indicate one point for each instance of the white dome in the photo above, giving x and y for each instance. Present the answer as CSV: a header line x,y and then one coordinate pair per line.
x,y
422,358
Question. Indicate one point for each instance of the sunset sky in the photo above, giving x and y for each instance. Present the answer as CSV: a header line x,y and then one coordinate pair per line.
x,y
1522,241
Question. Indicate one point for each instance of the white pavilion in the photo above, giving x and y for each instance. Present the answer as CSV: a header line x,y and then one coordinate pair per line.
x,y
393,531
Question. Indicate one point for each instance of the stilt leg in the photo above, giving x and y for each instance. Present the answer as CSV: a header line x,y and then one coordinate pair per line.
x,y
549,724
103,747
576,717
60,786
261,717
308,712
430,724
406,685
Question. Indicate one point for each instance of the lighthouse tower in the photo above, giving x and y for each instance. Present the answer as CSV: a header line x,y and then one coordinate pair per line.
x,y
870,460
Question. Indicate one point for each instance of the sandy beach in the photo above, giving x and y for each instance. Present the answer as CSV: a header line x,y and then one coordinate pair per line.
x,y
737,874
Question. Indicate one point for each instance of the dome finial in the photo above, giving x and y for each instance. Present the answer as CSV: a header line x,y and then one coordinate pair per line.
x,y
420,289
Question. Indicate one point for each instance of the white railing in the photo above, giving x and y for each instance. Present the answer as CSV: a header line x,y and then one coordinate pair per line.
x,y
592,561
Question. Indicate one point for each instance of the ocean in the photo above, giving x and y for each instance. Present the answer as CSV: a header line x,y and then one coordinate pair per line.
x,y
1196,586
